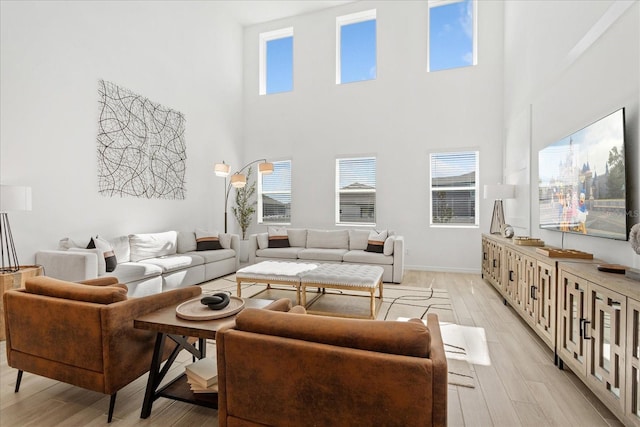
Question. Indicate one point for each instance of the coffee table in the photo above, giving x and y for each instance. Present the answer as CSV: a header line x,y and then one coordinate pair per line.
x,y
168,325
274,273
354,277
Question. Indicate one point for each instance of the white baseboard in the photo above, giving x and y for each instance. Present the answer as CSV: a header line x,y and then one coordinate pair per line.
x,y
442,269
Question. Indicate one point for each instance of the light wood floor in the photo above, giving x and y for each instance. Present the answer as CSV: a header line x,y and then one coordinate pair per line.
x,y
520,387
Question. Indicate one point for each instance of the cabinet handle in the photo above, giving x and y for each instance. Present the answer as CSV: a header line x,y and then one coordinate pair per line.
x,y
484,256
616,305
511,275
533,293
582,327
495,263
584,334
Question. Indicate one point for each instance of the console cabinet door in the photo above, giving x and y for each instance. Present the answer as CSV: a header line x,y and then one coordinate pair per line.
x,y
496,265
632,411
529,288
511,276
545,302
486,249
607,335
572,315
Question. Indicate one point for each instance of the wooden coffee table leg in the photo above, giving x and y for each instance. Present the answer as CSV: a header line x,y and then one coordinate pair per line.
x,y
239,291
373,303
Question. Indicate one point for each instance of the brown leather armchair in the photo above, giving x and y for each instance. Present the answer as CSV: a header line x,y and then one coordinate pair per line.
x,y
82,333
284,369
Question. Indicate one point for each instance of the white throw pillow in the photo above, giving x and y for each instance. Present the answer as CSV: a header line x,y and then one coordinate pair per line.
x,y
67,243
376,241
152,245
388,245
263,240
225,240
120,247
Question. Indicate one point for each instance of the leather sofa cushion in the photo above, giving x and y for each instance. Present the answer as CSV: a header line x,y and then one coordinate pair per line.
x,y
281,253
332,239
364,257
50,287
404,338
322,254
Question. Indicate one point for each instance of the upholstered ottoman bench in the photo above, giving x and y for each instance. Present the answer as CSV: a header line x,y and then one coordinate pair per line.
x,y
352,277
274,273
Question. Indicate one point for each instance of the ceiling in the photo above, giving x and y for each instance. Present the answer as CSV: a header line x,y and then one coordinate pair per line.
x,y
250,12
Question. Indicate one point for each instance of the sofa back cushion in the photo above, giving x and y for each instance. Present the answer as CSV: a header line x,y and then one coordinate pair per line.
x,y
186,242
332,239
153,245
297,237
404,338
358,239
120,247
47,286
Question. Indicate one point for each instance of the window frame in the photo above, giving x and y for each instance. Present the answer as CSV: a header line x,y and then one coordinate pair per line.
x,y
437,3
339,192
260,208
264,38
352,18
476,189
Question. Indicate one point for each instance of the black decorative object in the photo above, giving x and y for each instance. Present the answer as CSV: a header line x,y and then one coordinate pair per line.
x,y
216,301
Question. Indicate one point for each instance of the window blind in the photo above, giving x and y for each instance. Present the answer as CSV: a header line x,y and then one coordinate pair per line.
x,y
454,188
274,201
356,190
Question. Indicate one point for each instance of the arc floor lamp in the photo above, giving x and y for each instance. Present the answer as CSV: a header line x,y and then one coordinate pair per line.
x,y
12,198
238,179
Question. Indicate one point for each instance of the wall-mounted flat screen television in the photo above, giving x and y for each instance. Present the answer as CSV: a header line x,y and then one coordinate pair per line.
x,y
582,180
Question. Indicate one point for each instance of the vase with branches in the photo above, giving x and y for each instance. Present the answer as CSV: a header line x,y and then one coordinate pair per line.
x,y
245,205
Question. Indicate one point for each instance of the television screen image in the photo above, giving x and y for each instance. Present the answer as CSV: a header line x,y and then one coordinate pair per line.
x,y
581,181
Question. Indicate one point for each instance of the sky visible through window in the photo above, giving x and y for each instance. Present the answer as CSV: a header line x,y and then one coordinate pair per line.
x,y
358,51
280,65
451,36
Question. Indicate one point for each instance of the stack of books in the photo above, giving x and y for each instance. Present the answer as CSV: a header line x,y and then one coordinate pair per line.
x,y
203,375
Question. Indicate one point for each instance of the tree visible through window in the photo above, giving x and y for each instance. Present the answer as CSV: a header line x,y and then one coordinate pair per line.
x,y
274,195
452,34
454,188
356,190
276,61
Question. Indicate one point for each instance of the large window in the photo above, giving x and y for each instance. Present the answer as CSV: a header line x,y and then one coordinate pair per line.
x,y
356,47
454,188
356,190
276,61
274,195
452,34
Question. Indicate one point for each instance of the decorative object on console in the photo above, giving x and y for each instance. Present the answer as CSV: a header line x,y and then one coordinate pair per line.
x,y
612,268
238,180
12,198
507,231
498,192
563,253
527,241
195,310
140,145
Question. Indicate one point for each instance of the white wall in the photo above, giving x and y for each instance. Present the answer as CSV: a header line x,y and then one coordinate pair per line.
x,y
554,90
183,55
399,117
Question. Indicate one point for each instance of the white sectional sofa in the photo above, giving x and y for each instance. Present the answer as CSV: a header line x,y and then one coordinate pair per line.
x,y
146,263
326,246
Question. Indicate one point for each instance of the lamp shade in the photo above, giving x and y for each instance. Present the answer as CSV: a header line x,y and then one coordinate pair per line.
x,y
15,198
221,169
265,168
238,180
499,191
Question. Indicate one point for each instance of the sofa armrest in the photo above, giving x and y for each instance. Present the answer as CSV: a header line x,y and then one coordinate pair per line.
x,y
253,247
235,245
398,259
68,265
101,281
440,372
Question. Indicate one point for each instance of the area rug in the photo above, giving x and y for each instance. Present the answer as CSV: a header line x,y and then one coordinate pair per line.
x,y
398,303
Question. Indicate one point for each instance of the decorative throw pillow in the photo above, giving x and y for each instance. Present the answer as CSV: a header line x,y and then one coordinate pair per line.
x,y
376,241
225,240
388,245
278,237
207,241
107,251
263,240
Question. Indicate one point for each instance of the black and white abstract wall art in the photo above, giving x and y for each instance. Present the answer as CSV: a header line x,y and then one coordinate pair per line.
x,y
141,146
